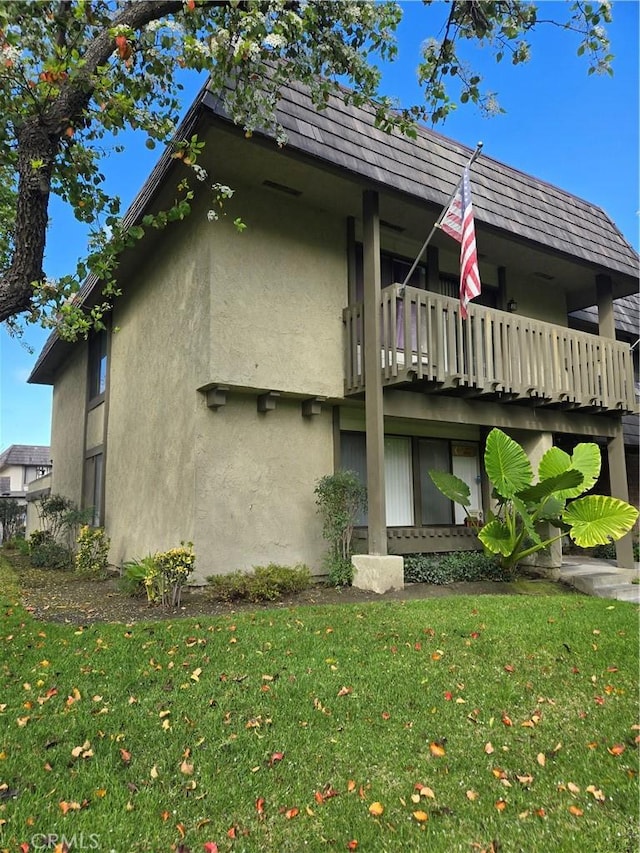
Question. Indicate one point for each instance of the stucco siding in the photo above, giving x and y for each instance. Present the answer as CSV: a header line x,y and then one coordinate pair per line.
x,y
161,322
277,294
67,425
255,476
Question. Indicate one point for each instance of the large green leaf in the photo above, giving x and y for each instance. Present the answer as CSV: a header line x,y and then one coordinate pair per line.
x,y
561,482
585,458
506,464
596,519
495,536
452,487
526,519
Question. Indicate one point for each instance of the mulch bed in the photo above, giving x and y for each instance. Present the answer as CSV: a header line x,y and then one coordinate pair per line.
x,y
60,596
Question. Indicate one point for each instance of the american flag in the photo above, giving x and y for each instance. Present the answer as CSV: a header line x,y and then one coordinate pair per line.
x,y
457,222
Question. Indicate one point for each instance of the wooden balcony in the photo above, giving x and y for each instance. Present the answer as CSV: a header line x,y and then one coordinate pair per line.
x,y
493,354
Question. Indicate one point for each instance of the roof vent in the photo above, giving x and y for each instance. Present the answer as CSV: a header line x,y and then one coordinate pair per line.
x,y
282,188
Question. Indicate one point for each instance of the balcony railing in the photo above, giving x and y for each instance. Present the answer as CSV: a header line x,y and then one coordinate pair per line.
x,y
492,353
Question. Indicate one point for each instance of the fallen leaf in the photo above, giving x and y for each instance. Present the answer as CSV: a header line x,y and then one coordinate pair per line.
x,y
260,802
186,768
509,668
501,805
576,811
352,845
573,788
597,793
351,785
525,780
277,756
154,772
376,809
291,813
488,748
616,749
345,691
472,795
385,715
436,749
125,756
181,829
231,833
421,817
506,720
427,792
541,759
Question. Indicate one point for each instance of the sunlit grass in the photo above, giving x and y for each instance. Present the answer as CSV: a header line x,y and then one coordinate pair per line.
x,y
187,726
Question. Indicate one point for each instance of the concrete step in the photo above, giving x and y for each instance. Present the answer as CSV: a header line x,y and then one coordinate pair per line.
x,y
601,578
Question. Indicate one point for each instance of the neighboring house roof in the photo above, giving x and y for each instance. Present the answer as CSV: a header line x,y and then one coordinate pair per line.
x,y
626,312
26,454
430,166
427,169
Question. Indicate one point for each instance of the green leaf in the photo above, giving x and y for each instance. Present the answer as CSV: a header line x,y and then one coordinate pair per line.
x,y
567,480
495,536
525,517
506,464
585,458
452,487
596,519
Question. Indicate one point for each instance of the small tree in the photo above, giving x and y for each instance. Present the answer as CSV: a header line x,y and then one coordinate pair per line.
x,y
340,499
11,518
511,532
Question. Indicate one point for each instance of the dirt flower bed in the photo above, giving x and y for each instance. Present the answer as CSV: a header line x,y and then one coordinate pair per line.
x,y
61,596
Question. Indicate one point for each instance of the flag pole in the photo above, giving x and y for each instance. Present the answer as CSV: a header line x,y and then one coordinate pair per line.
x,y
472,160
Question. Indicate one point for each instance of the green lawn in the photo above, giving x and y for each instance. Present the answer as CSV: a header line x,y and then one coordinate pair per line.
x,y
440,725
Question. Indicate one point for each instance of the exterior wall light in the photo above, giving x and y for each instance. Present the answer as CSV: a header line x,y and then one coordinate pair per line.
x,y
512,306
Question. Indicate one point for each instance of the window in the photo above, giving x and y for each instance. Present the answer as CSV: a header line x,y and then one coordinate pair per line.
x,y
97,365
93,486
411,498
393,270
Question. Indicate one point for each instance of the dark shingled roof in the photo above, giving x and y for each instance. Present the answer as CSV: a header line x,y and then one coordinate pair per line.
x,y
26,454
430,166
427,169
626,312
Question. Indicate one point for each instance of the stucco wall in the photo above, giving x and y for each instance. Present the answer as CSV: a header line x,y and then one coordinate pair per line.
x,y
277,295
255,476
67,425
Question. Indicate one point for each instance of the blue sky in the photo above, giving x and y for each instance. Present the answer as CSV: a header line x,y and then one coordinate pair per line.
x,y
577,131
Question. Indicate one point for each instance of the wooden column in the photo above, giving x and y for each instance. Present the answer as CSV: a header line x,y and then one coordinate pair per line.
x,y
615,447
374,417
606,321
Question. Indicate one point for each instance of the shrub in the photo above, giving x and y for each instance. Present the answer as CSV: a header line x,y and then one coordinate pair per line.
x,y
340,499
92,552
608,551
19,544
139,577
456,566
174,567
45,552
265,583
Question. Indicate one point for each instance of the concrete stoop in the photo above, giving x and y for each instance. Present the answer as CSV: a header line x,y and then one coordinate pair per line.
x,y
601,578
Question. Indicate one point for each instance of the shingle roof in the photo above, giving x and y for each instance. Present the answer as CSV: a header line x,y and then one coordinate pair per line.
x,y
429,167
26,454
626,312
426,168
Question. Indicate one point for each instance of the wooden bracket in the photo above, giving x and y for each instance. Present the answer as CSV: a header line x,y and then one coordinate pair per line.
x,y
217,396
312,406
267,402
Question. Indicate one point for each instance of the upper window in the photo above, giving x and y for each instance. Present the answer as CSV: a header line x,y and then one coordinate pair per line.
x,y
393,270
97,364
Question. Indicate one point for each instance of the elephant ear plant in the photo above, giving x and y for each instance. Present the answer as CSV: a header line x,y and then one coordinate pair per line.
x,y
511,531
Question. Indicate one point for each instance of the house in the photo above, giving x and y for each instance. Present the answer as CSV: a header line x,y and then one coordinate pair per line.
x,y
238,369
20,465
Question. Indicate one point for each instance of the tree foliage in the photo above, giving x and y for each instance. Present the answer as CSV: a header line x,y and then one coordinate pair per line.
x,y
75,74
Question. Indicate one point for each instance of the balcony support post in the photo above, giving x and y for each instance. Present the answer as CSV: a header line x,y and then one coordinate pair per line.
x,y
618,484
372,375
620,489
